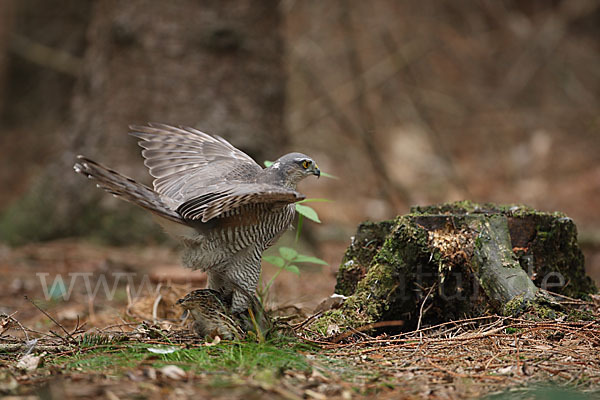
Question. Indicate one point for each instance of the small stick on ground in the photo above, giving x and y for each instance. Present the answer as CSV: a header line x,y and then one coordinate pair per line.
x,y
422,305
367,327
13,319
53,320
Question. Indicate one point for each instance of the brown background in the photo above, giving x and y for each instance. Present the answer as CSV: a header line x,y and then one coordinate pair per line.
x,y
406,102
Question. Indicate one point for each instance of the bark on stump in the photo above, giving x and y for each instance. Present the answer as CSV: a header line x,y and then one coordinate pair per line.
x,y
453,261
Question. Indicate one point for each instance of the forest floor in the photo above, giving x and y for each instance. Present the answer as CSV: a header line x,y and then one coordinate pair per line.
x,y
108,327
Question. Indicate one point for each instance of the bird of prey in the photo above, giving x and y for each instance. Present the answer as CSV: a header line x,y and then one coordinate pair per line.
x,y
230,208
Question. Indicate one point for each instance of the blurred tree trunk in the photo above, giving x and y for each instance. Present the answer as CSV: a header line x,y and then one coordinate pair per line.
x,y
214,65
42,43
6,17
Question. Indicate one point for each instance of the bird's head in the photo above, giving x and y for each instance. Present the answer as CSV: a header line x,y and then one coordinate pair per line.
x,y
293,167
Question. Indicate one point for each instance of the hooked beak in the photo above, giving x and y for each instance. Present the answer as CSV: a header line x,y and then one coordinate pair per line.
x,y
316,171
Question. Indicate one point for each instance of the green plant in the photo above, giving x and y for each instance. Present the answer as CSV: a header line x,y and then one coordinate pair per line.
x,y
286,261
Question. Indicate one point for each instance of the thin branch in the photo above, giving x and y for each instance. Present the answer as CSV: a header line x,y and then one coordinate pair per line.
x,y
16,321
423,304
53,320
367,327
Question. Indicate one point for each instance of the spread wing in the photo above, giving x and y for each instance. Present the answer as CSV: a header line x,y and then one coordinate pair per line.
x,y
185,161
222,200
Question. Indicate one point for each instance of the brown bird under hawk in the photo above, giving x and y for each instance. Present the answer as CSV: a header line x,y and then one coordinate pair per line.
x,y
230,207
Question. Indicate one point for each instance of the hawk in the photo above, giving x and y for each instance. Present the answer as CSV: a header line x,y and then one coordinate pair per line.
x,y
227,209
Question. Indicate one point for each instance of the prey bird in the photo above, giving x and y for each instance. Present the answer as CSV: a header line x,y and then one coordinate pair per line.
x,y
210,315
226,209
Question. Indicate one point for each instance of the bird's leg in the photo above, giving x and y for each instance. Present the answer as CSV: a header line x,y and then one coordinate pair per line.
x,y
255,318
248,309
241,300
243,280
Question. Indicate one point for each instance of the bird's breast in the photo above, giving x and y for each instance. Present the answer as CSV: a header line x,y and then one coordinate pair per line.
x,y
252,224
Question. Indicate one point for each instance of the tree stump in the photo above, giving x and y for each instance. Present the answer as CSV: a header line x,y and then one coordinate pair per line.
x,y
453,261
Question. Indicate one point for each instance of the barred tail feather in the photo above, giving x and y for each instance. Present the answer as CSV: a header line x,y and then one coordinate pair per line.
x,y
125,188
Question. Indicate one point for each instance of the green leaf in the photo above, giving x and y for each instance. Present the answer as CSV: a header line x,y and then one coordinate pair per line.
x,y
308,212
326,175
275,260
293,268
301,258
288,253
314,201
269,163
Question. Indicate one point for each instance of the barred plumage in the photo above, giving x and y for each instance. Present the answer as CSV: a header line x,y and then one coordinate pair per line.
x,y
209,314
235,208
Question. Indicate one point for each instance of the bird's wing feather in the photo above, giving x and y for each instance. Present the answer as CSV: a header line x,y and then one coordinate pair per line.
x,y
219,201
184,161
126,188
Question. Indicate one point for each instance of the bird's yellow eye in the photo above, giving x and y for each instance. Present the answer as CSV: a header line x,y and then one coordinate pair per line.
x,y
305,164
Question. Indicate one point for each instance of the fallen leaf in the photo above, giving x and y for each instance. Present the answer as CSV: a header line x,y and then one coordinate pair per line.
x,y
506,370
330,303
28,362
333,329
215,341
162,350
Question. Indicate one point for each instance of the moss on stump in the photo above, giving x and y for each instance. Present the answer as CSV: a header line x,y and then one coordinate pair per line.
x,y
456,260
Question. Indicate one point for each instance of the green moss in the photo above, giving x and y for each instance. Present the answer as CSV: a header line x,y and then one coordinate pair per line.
x,y
390,266
553,247
368,240
557,258
374,293
340,319
542,311
539,308
470,207
397,278
515,306
580,315
379,291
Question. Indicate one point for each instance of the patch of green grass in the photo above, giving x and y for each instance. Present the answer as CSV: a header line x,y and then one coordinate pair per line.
x,y
103,358
239,357
242,358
